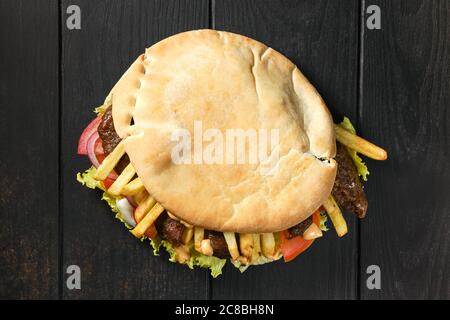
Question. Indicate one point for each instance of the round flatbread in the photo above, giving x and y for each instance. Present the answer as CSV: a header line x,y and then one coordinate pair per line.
x,y
229,86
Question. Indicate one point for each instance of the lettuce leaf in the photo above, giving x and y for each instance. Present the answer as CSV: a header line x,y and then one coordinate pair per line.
x,y
156,245
323,221
214,264
260,260
111,201
363,171
101,109
196,260
87,179
170,250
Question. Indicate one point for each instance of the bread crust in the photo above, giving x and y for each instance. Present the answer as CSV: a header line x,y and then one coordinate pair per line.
x,y
226,81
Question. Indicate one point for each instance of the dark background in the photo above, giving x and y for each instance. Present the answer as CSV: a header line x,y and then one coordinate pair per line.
x,y
393,83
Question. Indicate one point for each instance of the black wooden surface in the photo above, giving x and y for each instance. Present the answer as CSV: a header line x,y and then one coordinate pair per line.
x,y
393,83
29,149
405,108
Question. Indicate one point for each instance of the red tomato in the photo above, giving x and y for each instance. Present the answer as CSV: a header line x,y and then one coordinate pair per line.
x,y
107,183
291,248
87,133
100,157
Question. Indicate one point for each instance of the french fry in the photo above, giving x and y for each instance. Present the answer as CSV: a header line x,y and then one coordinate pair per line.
x,y
230,238
268,244
246,244
110,162
143,208
141,196
243,260
125,177
133,188
199,234
359,144
336,216
256,246
147,221
187,235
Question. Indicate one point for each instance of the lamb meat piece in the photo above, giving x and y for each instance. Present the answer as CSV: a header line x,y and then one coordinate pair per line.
x,y
219,245
170,229
110,138
300,228
348,189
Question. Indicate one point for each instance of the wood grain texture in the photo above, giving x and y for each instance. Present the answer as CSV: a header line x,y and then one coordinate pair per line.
x,y
321,37
405,108
113,263
29,149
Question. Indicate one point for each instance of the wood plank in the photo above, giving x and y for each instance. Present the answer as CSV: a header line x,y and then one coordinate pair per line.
x,y
405,109
29,153
321,37
113,263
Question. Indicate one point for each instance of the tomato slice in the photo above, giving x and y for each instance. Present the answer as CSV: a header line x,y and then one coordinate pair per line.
x,y
100,157
107,183
291,248
87,133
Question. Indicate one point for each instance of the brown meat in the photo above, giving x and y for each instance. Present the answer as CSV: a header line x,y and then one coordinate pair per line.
x,y
300,228
219,245
169,229
110,139
348,189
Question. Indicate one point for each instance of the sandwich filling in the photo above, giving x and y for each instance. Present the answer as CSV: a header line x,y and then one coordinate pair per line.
x,y
347,190
219,147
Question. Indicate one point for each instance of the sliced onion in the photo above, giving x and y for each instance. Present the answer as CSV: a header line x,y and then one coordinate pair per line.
x,y
132,202
91,149
87,133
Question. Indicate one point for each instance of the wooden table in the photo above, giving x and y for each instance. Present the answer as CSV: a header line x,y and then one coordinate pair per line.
x,y
393,83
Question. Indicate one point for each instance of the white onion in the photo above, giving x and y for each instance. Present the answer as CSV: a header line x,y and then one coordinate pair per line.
x,y
127,211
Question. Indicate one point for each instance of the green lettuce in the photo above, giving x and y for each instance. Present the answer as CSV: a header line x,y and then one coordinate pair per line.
x,y
87,179
197,259
214,264
259,261
101,109
360,165
323,221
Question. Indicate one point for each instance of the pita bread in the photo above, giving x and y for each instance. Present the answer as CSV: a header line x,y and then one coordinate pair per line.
x,y
226,81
